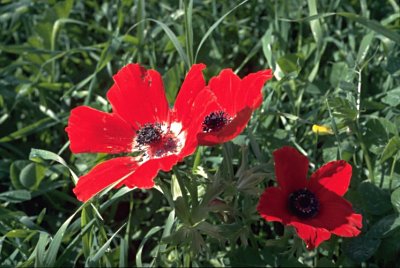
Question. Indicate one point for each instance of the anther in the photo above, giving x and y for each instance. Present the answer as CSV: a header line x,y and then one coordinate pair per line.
x,y
215,121
303,203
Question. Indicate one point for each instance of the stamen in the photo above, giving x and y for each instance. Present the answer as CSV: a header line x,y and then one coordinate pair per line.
x,y
215,121
155,140
303,204
149,134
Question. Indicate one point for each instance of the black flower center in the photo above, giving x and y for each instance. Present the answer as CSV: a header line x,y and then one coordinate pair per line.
x,y
149,134
215,121
303,203
156,140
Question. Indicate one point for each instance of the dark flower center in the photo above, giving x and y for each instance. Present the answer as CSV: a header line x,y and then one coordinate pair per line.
x,y
215,121
303,203
155,140
149,134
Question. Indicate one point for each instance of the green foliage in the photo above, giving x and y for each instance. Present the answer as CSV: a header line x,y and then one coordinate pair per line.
x,y
336,63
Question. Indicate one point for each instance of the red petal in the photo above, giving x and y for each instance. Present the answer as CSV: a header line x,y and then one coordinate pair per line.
x,y
334,176
147,171
103,175
273,205
250,94
229,131
143,175
337,215
138,95
352,228
204,104
312,236
192,85
93,131
226,87
291,169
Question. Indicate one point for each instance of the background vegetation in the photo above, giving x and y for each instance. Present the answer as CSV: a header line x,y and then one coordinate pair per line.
x,y
336,63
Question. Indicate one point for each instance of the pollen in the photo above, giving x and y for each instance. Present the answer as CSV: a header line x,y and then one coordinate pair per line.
x,y
304,204
149,134
157,140
215,121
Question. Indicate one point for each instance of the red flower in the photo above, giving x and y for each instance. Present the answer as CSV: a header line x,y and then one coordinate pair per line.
x,y
315,207
236,100
141,123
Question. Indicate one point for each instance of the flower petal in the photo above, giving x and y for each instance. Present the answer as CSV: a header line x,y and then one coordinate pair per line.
x,y
103,175
228,132
334,176
352,228
272,205
93,131
250,94
337,215
143,175
204,104
138,95
291,169
226,87
194,82
311,235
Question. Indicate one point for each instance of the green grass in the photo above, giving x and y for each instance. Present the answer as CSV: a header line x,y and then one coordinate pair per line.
x,y
336,63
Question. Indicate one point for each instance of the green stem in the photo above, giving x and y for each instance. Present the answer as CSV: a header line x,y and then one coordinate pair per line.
x,y
335,129
392,172
364,148
182,186
197,158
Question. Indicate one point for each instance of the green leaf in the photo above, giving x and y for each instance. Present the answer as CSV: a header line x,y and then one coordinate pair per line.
x,y
31,175
172,80
18,233
30,129
16,196
343,108
174,40
315,24
212,28
103,249
291,64
364,47
373,25
37,154
51,253
395,199
375,200
361,248
149,234
391,149
15,171
392,97
384,226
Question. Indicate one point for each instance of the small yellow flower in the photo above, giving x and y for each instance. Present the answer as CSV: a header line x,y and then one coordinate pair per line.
x,y
322,130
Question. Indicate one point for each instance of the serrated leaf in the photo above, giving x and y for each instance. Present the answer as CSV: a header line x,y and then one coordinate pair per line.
x,y
343,108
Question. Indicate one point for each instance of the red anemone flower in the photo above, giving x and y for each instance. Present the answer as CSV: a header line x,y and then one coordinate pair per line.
x,y
314,207
236,100
141,124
